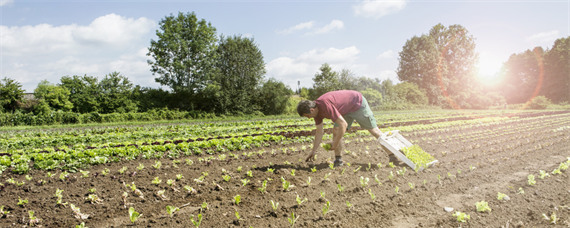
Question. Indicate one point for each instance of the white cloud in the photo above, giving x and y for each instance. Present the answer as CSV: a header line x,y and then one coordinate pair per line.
x,y
335,24
378,8
387,55
298,27
302,68
109,43
311,30
544,38
5,2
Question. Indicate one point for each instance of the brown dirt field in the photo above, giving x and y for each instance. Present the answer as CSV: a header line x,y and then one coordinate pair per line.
x,y
476,162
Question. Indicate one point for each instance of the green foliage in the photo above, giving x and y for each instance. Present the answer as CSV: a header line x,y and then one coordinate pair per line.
x,y
115,94
325,81
539,102
556,83
373,97
482,206
274,98
410,92
240,69
441,63
183,55
83,92
53,96
11,93
417,155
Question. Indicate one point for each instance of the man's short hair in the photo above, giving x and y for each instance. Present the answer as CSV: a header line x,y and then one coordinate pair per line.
x,y
304,107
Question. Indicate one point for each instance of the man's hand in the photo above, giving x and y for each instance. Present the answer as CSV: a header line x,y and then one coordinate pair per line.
x,y
311,156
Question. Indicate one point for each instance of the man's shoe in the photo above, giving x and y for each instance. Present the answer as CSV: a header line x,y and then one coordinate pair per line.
x,y
338,162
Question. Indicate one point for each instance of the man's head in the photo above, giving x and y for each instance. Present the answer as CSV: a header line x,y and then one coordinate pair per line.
x,y
307,109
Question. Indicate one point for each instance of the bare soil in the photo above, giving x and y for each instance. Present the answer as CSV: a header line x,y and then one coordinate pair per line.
x,y
475,164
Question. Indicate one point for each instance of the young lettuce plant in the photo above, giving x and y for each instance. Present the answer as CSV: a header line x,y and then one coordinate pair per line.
x,y
77,212
482,206
502,196
196,222
171,209
293,219
300,201
461,217
33,219
133,215
531,180
326,208
237,199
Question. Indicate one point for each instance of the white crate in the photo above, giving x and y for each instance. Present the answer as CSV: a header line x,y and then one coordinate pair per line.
x,y
394,143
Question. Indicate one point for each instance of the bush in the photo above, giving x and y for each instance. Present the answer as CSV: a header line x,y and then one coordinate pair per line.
x,y
540,102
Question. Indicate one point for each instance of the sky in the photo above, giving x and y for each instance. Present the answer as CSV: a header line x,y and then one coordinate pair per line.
x,y
49,39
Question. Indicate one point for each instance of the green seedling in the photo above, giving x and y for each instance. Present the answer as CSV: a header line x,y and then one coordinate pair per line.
x,y
22,202
123,170
105,172
300,201
226,178
531,180
293,219
461,217
372,196
157,165
156,181
179,177
140,167
196,222
274,205
340,188
133,215
482,206
326,208
237,199
244,181
171,209
502,196
263,186
84,174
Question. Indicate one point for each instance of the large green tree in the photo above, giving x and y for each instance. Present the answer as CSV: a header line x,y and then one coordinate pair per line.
x,y
11,93
183,54
53,96
442,63
116,94
325,81
522,76
273,97
240,70
556,84
84,91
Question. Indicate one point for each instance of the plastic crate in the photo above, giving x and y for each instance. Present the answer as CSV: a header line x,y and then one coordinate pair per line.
x,y
394,143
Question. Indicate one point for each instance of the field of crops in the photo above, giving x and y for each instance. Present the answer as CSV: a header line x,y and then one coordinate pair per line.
x,y
496,169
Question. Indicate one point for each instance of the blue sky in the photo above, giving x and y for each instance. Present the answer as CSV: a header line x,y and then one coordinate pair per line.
x,y
45,40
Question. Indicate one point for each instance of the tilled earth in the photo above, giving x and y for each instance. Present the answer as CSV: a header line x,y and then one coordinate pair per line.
x,y
475,164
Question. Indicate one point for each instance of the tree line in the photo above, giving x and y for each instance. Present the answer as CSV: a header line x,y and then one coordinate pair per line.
x,y
208,73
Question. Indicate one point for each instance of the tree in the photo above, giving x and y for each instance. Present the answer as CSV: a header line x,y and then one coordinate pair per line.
x,y
442,63
325,81
556,84
84,91
52,96
274,97
116,94
522,76
410,92
373,97
183,55
240,70
11,93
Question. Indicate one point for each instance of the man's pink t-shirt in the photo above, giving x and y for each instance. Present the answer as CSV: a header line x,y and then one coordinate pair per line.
x,y
337,103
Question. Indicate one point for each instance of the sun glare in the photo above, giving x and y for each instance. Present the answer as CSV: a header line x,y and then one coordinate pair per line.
x,y
488,70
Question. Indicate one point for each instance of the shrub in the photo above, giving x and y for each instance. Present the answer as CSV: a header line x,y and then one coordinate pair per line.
x,y
539,102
